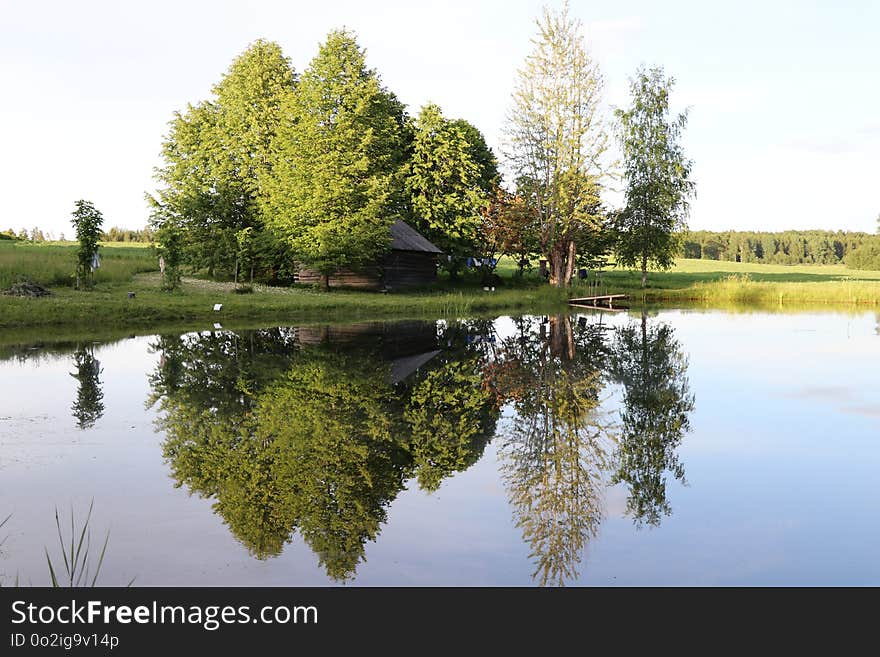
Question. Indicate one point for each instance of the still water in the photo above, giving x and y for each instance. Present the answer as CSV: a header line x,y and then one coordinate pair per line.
x,y
670,448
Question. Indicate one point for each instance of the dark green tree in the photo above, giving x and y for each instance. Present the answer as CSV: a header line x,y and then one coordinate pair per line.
x,y
87,222
337,184
657,173
451,176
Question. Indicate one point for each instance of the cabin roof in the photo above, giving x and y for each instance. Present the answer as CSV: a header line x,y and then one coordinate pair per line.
x,y
406,238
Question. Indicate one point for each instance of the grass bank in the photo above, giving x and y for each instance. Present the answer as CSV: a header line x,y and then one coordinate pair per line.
x,y
128,269
194,302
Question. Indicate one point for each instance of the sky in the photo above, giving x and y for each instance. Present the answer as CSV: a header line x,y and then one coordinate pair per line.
x,y
783,97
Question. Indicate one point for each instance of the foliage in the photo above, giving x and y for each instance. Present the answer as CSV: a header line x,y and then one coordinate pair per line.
x,y
170,249
451,174
87,221
217,159
554,457
867,256
657,174
289,435
341,452
127,235
790,247
556,142
337,183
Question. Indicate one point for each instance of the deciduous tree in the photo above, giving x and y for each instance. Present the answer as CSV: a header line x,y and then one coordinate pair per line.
x,y
657,174
556,140
338,170
451,175
87,221
217,157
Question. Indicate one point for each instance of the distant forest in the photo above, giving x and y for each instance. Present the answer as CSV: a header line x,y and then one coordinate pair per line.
x,y
792,247
115,234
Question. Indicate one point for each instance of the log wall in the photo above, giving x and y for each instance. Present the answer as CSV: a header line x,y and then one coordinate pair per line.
x,y
398,269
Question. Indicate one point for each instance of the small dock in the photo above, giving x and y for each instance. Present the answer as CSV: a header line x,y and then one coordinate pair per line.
x,y
599,302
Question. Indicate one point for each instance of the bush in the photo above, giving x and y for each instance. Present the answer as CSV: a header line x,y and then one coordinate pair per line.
x,y
867,256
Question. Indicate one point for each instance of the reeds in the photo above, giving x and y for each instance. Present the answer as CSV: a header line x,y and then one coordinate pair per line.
x,y
75,553
741,290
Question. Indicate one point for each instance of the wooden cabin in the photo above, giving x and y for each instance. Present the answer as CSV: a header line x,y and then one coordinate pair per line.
x,y
411,261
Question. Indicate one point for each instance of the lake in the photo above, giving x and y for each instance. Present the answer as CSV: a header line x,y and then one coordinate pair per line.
x,y
673,447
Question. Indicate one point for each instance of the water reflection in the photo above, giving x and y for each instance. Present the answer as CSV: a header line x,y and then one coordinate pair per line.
x,y
88,407
317,429
555,455
649,363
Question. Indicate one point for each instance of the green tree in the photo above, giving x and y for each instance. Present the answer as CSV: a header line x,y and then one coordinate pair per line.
x,y
217,158
556,141
451,175
657,174
338,168
87,221
170,249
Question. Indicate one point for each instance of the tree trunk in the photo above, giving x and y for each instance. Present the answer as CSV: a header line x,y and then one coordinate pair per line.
x,y
644,270
326,282
569,265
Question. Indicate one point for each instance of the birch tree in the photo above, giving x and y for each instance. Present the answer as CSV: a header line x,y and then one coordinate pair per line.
x,y
556,139
657,174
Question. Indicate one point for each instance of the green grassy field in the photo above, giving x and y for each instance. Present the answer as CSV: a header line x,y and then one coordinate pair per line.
x,y
732,283
53,264
127,268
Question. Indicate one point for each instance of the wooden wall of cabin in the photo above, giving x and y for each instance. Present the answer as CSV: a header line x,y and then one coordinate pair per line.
x,y
398,269
409,268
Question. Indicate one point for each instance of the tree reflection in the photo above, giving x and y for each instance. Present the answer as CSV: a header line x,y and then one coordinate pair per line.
x,y
648,362
315,430
88,407
451,415
556,451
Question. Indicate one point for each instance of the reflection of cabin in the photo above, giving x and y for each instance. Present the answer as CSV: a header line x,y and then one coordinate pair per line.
x,y
412,260
405,346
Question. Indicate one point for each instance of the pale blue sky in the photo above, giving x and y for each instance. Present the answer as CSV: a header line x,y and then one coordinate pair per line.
x,y
784,96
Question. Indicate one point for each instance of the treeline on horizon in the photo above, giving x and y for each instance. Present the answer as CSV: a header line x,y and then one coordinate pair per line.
x,y
857,250
115,234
